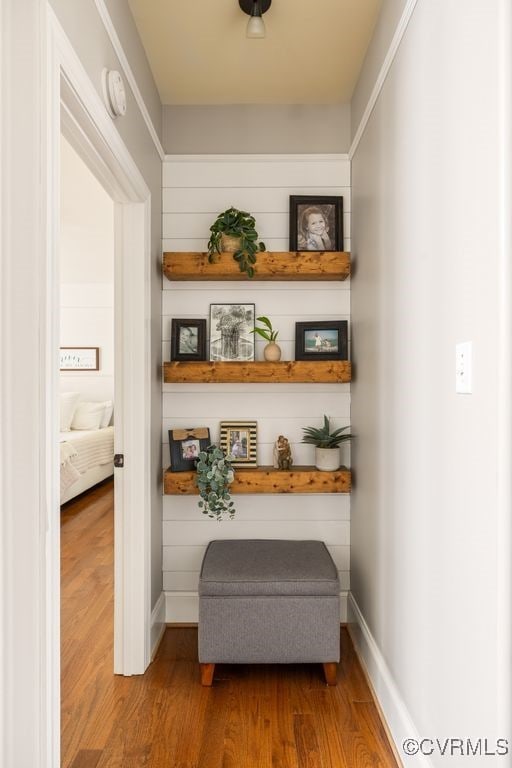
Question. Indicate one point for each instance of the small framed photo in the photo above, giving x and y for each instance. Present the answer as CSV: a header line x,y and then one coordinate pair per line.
x,y
79,358
230,332
188,339
185,446
316,223
324,340
238,439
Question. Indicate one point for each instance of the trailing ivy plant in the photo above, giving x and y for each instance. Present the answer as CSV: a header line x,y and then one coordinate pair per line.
x,y
214,475
235,223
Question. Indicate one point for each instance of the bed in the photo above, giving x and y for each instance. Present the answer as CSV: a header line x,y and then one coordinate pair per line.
x,y
86,443
86,458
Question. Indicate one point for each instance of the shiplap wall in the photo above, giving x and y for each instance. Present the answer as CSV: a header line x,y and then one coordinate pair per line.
x,y
195,190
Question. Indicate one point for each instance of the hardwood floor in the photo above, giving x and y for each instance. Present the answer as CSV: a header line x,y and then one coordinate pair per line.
x,y
253,717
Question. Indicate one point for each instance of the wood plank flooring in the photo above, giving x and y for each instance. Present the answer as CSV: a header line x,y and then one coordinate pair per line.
x,y
253,717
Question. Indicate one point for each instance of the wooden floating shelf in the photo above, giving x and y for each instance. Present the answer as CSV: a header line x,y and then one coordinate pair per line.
x,y
267,480
282,265
261,372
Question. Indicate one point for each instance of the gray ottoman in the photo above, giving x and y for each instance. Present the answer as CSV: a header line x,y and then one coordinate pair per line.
x,y
268,601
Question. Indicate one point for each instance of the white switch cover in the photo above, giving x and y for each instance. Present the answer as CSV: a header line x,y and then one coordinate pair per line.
x,y
463,368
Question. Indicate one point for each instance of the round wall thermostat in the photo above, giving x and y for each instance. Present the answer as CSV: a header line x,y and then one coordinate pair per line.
x,y
114,93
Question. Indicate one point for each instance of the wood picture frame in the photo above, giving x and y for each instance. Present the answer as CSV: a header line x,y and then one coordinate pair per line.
x,y
316,223
188,339
79,358
239,441
321,340
185,446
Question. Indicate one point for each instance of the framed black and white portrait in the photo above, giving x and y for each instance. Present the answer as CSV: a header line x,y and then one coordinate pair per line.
x,y
316,223
188,339
230,332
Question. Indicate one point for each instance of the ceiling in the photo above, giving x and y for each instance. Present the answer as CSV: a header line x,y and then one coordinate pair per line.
x,y
312,53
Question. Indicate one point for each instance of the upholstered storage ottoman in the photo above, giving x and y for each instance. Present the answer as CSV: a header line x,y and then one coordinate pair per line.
x,y
268,601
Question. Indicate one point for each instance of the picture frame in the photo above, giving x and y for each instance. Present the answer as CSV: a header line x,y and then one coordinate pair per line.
x,y
230,332
79,358
316,223
239,440
188,339
185,446
321,340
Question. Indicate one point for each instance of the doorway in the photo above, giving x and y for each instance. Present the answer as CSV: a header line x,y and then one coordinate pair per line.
x,y
75,111
86,439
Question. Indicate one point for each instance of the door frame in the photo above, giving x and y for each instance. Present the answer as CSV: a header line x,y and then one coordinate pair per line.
x,y
75,109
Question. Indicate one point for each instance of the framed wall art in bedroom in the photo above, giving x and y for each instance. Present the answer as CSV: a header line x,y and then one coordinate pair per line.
x,y
79,358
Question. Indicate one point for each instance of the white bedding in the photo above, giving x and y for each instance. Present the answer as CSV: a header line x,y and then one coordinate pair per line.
x,y
82,450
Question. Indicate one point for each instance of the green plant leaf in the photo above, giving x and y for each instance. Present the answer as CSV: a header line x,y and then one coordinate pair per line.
x,y
262,332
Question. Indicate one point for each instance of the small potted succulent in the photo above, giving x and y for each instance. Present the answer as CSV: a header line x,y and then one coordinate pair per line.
x,y
272,351
235,231
327,443
214,476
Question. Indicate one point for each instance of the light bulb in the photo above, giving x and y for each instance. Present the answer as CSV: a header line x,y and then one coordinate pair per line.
x,y
255,27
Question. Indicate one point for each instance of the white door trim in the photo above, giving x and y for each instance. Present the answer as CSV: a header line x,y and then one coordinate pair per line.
x,y
89,128
74,106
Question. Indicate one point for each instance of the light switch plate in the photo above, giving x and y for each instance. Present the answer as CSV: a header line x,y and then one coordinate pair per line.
x,y
464,368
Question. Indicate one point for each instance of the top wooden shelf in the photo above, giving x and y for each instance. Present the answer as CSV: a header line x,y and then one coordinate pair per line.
x,y
282,265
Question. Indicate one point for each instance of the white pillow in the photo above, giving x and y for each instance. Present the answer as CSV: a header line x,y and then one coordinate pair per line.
x,y
68,403
107,413
88,416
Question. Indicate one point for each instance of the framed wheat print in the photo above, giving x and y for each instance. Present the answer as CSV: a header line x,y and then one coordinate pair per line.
x,y
230,332
238,439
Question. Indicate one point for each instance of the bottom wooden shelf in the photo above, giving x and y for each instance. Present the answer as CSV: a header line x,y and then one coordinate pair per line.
x,y
267,480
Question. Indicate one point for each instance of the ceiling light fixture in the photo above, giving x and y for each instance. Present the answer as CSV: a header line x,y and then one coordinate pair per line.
x,y
255,9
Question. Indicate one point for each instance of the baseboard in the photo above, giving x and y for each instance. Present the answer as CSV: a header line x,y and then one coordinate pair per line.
x,y
183,607
394,713
157,624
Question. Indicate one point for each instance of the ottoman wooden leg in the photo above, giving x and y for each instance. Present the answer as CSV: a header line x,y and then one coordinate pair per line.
x,y
207,671
330,670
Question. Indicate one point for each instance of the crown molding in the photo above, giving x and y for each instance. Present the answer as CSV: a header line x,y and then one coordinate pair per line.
x,y
123,60
384,70
263,158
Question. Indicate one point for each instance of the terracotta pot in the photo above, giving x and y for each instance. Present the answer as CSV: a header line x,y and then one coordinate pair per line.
x,y
230,244
327,459
272,352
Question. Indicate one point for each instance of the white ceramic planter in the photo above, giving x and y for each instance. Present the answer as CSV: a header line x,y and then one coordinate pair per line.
x,y
272,352
327,459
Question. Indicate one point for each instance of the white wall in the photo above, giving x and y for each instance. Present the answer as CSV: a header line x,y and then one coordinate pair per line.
x,y
87,275
431,504
256,128
196,189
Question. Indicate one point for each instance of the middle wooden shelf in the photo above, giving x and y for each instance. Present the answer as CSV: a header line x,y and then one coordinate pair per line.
x,y
259,372
257,480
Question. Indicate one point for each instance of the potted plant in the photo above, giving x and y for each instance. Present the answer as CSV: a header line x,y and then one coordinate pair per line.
x,y
234,231
214,475
327,454
272,351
